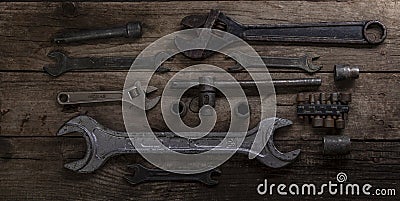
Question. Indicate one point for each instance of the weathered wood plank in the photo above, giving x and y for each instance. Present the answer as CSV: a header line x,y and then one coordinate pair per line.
x,y
27,29
35,171
32,157
29,106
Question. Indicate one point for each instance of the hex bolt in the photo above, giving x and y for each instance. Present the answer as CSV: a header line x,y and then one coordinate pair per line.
x,y
131,30
336,145
318,121
345,72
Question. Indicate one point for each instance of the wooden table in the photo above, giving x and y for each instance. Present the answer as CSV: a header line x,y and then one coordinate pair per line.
x,y
32,156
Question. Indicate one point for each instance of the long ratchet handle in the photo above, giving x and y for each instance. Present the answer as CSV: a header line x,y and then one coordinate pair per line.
x,y
362,32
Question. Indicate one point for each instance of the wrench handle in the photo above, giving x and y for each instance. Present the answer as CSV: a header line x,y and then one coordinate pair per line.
x,y
131,30
69,98
363,32
144,174
105,63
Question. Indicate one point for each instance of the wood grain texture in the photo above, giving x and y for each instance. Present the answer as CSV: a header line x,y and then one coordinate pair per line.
x,y
26,42
32,157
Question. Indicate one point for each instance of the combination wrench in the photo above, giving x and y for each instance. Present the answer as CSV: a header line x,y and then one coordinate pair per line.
x,y
134,95
144,174
103,143
65,63
304,62
362,32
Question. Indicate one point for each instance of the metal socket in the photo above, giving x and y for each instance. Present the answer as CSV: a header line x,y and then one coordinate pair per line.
x,y
340,123
336,145
346,72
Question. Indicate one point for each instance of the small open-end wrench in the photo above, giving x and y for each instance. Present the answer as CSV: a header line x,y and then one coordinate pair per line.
x,y
303,62
69,98
65,63
362,32
131,30
144,174
102,143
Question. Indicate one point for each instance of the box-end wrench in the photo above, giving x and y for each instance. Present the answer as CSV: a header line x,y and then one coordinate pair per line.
x,y
362,32
131,30
133,96
143,174
103,143
294,63
65,63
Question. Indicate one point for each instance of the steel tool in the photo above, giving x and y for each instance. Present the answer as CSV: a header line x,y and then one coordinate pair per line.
x,y
102,143
207,91
336,145
323,112
65,63
131,30
134,95
294,63
362,32
144,174
346,72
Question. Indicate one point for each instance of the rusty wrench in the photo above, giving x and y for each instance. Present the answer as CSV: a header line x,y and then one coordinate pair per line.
x,y
134,93
102,143
65,63
303,62
362,32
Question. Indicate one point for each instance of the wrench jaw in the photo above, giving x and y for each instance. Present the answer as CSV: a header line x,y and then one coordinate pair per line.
x,y
83,125
59,67
309,62
271,156
135,94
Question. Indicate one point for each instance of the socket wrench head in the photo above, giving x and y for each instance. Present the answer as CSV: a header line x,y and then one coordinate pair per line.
x,y
345,72
336,145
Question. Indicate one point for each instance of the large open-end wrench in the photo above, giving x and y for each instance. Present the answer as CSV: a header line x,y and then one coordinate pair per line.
x,y
361,32
65,63
102,143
